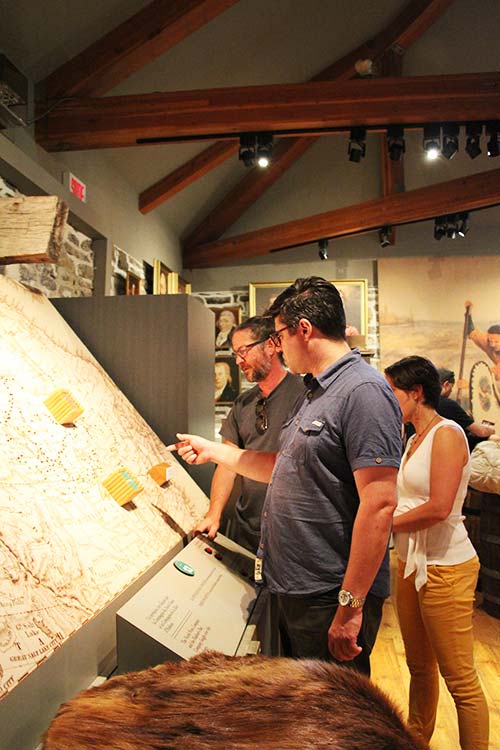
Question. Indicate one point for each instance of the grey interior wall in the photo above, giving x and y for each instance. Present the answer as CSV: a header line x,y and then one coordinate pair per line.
x,y
159,350
231,277
111,202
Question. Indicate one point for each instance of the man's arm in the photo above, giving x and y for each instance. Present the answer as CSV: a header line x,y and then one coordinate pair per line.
x,y
376,487
257,465
480,430
220,492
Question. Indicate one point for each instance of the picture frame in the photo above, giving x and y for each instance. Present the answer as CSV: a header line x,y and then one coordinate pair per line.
x,y
231,317
161,278
183,286
148,277
226,380
132,283
354,293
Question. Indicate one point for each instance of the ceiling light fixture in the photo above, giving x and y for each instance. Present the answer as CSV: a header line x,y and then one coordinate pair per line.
x,y
246,152
492,129
395,142
384,236
432,141
439,227
473,131
357,144
256,148
450,139
451,226
323,249
264,149
463,223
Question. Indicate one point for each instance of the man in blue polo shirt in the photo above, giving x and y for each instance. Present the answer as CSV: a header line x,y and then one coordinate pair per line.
x,y
332,485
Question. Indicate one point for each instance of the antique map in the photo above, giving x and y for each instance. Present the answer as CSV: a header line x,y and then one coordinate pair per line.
x,y
67,548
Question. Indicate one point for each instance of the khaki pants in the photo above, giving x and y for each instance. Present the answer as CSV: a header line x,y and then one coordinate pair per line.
x,y
436,624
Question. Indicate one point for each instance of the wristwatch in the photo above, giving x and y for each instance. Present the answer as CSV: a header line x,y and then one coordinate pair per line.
x,y
346,599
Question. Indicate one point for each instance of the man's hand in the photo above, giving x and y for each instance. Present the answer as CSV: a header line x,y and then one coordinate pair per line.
x,y
209,526
193,449
343,633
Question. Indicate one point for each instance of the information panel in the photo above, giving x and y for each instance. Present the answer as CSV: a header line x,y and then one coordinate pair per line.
x,y
202,599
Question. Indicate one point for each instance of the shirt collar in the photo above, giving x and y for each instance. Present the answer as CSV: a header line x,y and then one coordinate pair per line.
x,y
326,378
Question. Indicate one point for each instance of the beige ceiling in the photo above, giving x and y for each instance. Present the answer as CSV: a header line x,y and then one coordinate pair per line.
x,y
260,42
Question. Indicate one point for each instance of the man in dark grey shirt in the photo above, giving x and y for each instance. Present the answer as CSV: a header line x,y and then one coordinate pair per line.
x,y
332,489
254,422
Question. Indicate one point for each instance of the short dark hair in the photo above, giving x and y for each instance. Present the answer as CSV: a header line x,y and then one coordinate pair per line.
x,y
493,329
445,375
260,326
315,299
411,371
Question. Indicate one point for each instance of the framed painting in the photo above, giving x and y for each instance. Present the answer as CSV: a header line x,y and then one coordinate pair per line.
x,y
183,286
226,380
148,277
160,278
226,319
132,284
353,292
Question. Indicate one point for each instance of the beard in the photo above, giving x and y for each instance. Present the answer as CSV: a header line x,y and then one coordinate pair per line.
x,y
258,372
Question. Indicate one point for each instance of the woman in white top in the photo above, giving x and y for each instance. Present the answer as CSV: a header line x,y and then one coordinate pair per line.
x,y
437,565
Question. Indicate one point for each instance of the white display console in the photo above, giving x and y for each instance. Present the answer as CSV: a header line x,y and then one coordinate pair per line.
x,y
204,598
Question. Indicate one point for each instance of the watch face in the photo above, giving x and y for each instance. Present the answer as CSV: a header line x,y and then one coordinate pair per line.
x,y
344,598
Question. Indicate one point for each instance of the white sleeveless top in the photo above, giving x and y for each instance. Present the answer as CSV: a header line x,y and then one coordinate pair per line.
x,y
445,543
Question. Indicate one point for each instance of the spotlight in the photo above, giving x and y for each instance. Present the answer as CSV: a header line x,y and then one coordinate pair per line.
x,y
450,140
451,226
492,129
395,142
384,236
357,145
323,249
246,152
440,227
432,141
264,149
463,223
473,132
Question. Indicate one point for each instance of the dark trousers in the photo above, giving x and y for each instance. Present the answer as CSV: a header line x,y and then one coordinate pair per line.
x,y
304,622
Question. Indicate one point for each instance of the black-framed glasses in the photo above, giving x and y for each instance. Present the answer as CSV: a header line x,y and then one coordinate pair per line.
x,y
276,336
243,350
261,423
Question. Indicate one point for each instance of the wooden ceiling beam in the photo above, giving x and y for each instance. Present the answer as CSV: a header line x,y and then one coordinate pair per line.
x,y
289,109
388,45
184,175
131,45
413,21
415,18
246,192
462,194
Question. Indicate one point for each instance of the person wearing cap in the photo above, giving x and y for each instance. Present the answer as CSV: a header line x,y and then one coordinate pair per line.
x,y
450,409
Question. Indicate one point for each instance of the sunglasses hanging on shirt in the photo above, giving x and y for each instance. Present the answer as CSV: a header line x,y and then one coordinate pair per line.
x,y
261,424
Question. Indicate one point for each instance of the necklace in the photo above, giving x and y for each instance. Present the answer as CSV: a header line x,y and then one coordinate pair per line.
x,y
416,440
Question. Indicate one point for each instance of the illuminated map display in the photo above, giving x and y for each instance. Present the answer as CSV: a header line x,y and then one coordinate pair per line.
x,y
67,548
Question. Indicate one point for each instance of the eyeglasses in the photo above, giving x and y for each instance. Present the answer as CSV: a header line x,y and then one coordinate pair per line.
x,y
261,424
243,350
276,336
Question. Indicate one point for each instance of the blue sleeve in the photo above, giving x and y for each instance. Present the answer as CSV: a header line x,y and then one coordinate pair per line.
x,y
372,425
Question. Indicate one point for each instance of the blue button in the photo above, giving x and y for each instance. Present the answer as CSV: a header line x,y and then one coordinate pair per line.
x,y
184,568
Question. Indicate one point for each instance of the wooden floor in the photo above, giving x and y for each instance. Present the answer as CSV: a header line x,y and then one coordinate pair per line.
x,y
390,672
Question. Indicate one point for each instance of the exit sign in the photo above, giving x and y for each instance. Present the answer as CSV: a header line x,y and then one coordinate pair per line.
x,y
75,186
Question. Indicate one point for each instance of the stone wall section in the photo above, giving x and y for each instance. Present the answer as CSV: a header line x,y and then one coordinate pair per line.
x,y
71,276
